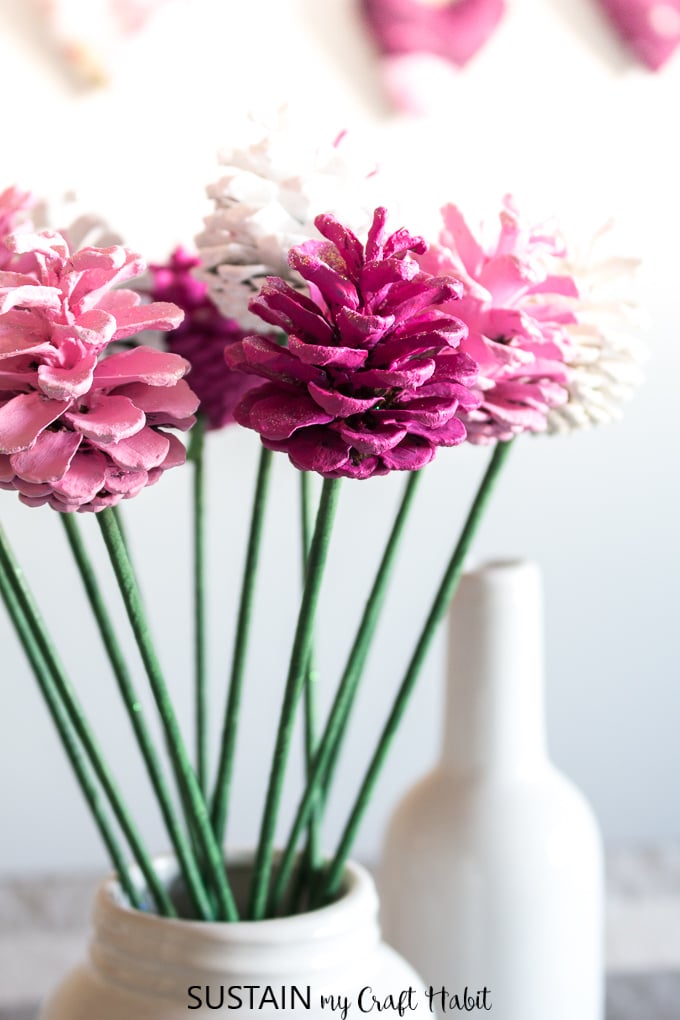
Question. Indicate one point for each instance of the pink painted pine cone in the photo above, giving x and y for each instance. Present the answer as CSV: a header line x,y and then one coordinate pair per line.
x,y
14,208
372,380
516,312
202,338
80,431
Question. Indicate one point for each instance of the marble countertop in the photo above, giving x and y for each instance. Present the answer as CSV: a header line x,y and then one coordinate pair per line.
x,y
44,924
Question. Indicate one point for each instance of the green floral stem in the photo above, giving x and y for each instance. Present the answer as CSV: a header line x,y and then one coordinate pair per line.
x,y
313,850
329,744
447,588
196,456
184,772
187,862
365,638
225,768
78,720
296,677
68,739
118,514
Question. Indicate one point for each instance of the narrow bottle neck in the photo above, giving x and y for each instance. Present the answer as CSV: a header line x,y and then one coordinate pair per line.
x,y
495,716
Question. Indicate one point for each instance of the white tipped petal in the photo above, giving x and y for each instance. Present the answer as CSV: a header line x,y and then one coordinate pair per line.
x,y
605,353
273,187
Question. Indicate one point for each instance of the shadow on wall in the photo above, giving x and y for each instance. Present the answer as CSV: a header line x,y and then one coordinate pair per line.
x,y
357,60
31,28
336,20
586,19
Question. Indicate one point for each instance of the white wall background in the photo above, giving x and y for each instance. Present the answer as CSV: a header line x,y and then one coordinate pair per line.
x,y
552,110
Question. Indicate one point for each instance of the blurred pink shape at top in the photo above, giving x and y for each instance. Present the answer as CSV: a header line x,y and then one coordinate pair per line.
x,y
651,28
454,31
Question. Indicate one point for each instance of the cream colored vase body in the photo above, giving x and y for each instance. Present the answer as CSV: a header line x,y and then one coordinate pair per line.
x,y
142,967
492,869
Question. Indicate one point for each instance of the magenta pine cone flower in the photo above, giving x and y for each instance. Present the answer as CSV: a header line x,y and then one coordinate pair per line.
x,y
515,309
78,431
201,338
371,380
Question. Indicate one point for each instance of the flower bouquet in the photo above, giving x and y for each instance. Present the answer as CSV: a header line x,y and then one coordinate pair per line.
x,y
355,354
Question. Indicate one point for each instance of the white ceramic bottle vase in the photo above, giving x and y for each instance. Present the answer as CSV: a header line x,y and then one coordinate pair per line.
x,y
492,869
144,967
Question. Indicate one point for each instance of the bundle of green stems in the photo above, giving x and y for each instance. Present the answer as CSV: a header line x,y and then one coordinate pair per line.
x,y
193,803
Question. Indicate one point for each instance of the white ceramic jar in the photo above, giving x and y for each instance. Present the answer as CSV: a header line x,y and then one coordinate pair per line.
x,y
144,967
492,868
